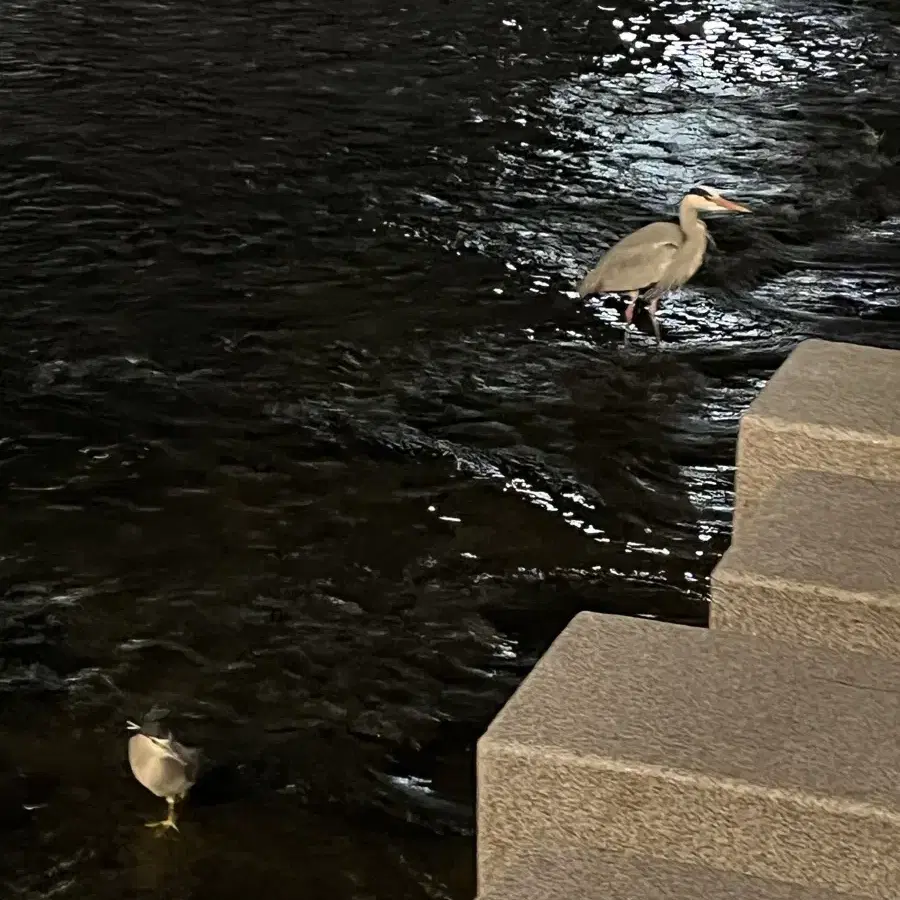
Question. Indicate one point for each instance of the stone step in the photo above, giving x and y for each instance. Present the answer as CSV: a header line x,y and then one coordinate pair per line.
x,y
819,562
830,407
701,747
587,873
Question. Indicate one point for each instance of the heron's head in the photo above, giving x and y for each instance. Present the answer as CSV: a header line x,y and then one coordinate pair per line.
x,y
151,728
706,199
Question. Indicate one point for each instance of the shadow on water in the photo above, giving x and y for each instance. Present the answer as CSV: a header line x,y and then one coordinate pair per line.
x,y
305,434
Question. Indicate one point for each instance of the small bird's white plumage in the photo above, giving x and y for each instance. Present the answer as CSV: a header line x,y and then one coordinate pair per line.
x,y
162,765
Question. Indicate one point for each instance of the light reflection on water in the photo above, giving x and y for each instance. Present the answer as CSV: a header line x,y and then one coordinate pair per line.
x,y
691,92
708,104
725,47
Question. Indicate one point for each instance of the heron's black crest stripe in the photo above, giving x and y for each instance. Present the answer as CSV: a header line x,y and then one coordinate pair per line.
x,y
700,192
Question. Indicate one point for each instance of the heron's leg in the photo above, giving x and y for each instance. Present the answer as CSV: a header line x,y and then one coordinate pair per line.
x,y
629,312
654,305
169,821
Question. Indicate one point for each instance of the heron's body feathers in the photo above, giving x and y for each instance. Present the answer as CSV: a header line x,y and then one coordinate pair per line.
x,y
164,767
684,263
637,261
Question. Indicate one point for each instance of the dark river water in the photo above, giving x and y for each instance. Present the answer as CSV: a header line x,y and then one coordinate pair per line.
x,y
304,433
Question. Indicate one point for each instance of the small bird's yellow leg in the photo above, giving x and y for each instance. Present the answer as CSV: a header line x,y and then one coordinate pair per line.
x,y
169,821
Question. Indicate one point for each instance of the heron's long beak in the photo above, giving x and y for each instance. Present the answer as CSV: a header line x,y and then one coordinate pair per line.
x,y
730,205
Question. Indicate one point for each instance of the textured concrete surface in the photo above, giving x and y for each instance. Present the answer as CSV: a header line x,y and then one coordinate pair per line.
x,y
830,407
818,562
701,747
578,873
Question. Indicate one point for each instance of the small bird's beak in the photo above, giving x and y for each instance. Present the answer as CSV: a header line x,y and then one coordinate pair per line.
x,y
730,205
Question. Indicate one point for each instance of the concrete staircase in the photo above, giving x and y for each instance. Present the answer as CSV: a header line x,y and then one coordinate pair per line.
x,y
757,759
586,873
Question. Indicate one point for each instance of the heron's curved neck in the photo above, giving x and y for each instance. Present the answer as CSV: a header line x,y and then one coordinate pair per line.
x,y
689,220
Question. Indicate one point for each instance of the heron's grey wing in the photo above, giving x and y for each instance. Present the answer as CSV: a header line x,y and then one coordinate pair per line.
x,y
158,771
636,261
172,778
682,266
189,757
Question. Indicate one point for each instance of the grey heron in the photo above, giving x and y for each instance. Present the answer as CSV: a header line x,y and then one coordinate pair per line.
x,y
660,256
162,765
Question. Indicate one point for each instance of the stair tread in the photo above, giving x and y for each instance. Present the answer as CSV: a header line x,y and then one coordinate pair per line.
x,y
633,693
587,873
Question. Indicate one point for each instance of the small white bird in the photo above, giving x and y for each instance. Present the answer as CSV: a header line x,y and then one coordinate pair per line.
x,y
162,765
